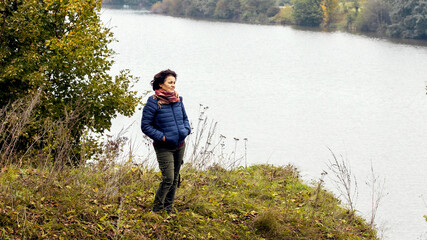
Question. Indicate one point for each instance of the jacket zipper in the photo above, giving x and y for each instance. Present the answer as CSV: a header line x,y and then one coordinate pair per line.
x,y
176,123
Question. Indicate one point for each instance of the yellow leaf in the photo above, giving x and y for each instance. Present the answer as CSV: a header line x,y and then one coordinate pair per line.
x,y
100,227
103,218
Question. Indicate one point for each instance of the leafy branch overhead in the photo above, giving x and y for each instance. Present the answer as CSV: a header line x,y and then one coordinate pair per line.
x,y
61,48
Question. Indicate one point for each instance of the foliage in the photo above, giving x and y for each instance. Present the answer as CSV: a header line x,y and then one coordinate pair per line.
x,y
374,16
141,3
356,6
307,12
409,19
227,9
283,2
258,11
60,48
255,11
113,201
396,18
352,11
330,10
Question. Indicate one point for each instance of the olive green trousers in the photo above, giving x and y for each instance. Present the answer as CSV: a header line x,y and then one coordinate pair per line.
x,y
170,160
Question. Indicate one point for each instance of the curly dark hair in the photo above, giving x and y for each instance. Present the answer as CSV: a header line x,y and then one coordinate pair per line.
x,y
160,77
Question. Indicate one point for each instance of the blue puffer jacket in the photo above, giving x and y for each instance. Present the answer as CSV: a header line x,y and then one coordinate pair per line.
x,y
170,121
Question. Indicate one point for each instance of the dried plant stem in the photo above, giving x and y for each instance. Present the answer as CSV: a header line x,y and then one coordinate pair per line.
x,y
345,181
377,193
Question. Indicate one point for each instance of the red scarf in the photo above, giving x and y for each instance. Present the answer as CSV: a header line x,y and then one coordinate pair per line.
x,y
165,97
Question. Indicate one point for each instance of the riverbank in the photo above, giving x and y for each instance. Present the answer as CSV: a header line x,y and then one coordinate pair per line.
x,y
114,201
347,16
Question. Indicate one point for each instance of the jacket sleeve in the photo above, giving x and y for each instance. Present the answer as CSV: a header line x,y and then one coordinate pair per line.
x,y
185,117
148,115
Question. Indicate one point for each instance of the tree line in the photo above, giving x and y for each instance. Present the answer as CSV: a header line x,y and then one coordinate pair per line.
x,y
393,18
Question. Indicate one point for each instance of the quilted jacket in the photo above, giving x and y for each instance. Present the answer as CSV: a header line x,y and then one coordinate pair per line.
x,y
170,121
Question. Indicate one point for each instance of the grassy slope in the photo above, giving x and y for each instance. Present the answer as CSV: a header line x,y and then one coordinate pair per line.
x,y
114,203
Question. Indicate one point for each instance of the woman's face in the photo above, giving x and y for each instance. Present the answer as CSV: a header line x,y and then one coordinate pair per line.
x,y
169,84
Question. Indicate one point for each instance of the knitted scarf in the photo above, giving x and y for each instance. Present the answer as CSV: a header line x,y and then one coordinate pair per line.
x,y
165,97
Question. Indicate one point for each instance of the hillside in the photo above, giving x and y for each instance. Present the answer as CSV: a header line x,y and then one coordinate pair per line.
x,y
114,202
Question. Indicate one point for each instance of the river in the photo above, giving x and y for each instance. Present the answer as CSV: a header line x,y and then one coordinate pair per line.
x,y
294,94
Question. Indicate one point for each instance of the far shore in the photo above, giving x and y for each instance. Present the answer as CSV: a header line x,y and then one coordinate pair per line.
x,y
414,42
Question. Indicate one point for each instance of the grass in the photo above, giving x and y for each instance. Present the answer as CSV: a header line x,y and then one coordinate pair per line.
x,y
114,202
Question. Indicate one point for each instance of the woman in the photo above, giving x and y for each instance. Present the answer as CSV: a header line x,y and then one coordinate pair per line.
x,y
165,121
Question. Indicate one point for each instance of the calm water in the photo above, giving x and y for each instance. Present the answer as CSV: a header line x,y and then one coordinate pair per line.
x,y
294,94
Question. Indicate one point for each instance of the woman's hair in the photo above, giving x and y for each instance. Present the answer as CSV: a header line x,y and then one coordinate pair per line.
x,y
160,77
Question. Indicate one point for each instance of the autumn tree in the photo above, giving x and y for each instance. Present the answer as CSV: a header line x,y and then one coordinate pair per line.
x,y
330,10
61,49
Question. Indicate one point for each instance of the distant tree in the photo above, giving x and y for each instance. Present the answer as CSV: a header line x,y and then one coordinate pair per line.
x,y
172,7
142,3
147,3
351,17
256,10
330,10
157,8
283,2
272,11
206,7
114,2
190,8
307,12
374,16
61,48
228,9
351,13
356,6
409,19
261,6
